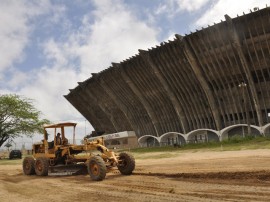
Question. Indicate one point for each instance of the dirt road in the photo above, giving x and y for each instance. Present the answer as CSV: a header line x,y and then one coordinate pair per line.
x,y
185,176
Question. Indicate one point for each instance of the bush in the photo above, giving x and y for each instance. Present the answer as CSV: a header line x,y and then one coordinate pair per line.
x,y
236,139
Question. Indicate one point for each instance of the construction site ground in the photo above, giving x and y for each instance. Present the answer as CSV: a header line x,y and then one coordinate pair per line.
x,y
171,176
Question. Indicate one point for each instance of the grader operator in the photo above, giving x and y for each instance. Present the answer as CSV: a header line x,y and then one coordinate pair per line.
x,y
50,155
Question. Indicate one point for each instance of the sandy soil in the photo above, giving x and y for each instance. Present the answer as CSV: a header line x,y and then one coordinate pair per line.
x,y
200,176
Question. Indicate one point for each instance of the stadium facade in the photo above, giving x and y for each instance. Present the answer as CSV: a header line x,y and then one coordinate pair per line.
x,y
214,82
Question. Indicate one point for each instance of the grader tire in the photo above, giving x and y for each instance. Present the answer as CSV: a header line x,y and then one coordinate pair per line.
x,y
29,166
97,168
42,166
126,163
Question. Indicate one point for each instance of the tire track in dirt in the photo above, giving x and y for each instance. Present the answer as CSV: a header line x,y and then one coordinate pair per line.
x,y
144,191
227,197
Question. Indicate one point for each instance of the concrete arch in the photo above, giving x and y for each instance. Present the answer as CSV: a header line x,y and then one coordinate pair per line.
x,y
148,141
225,131
266,129
169,133
172,138
203,135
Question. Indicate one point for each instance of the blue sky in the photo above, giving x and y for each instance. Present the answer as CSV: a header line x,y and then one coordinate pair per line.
x,y
47,46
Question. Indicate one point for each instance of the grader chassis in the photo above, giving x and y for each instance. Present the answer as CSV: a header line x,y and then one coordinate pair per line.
x,y
52,156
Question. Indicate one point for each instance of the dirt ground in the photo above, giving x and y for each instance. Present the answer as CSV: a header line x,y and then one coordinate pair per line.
x,y
185,176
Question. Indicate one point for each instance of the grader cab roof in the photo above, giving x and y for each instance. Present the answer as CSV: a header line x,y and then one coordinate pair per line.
x,y
60,125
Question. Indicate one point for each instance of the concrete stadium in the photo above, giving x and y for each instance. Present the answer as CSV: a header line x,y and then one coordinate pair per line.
x,y
205,86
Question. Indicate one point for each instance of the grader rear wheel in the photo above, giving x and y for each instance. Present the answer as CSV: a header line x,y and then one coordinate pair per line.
x,y
29,166
97,168
126,163
42,166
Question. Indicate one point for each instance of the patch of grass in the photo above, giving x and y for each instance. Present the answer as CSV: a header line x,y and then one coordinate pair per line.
x,y
233,144
249,142
154,149
10,162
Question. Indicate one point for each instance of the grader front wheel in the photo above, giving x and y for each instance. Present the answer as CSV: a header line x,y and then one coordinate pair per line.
x,y
126,163
97,168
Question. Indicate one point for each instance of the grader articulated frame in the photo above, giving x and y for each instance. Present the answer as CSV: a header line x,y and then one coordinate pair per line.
x,y
50,156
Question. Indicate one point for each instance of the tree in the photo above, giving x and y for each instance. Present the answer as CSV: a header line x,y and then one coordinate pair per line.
x,y
18,117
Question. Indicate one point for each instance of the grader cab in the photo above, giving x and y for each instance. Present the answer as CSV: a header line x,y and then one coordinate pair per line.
x,y
60,153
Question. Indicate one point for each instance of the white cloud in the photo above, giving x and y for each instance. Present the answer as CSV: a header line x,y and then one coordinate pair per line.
x,y
230,7
110,34
17,79
15,28
115,35
172,7
13,32
191,5
56,52
18,21
47,87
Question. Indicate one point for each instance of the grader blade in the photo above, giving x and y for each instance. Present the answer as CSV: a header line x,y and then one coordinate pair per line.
x,y
74,169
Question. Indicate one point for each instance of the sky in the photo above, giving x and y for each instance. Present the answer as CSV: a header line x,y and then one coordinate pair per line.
x,y
47,46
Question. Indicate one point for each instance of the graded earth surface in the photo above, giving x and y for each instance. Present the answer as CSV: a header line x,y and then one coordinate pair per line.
x,y
169,176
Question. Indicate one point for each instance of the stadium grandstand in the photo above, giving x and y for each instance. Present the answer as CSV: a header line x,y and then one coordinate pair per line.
x,y
205,86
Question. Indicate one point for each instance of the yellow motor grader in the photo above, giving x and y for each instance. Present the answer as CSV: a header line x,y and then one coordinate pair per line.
x,y
60,154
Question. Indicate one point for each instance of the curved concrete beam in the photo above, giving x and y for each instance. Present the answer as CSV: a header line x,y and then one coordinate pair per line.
x,y
142,99
194,61
237,45
170,133
191,133
142,140
177,107
224,130
265,127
